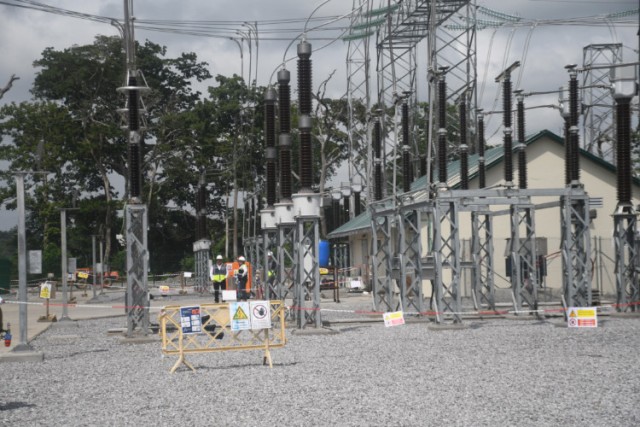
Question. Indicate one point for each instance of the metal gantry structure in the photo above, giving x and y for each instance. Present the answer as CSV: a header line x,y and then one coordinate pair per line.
x,y
397,220
416,233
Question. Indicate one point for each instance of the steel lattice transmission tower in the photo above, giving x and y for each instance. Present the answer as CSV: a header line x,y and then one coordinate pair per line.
x,y
598,103
359,96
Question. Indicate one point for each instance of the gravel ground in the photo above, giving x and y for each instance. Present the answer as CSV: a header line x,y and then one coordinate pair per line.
x,y
497,372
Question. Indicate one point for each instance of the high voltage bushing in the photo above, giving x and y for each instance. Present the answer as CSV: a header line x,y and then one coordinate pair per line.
x,y
481,165
573,118
304,77
284,93
464,148
508,143
406,160
377,159
567,151
522,154
134,155
201,208
442,131
304,121
335,204
623,151
284,140
270,139
306,165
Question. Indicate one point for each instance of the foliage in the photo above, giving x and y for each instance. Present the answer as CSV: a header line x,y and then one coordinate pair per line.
x,y
73,131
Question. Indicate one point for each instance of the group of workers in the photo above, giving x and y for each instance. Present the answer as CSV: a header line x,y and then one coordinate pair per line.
x,y
220,272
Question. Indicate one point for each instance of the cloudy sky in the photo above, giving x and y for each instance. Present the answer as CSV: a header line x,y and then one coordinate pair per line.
x,y
544,41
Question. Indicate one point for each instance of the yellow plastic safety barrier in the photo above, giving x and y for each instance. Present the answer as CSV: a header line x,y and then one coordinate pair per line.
x,y
206,328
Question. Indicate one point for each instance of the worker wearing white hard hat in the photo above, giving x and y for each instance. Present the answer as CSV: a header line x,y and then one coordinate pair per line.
x,y
218,277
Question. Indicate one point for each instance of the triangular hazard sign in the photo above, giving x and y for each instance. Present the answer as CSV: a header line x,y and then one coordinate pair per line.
x,y
572,313
240,314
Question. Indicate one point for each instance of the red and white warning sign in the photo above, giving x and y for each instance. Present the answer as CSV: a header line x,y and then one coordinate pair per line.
x,y
582,317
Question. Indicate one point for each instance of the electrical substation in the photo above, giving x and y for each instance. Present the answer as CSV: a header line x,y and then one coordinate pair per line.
x,y
443,227
426,224
410,207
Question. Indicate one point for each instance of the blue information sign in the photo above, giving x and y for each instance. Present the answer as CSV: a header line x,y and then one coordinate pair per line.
x,y
190,320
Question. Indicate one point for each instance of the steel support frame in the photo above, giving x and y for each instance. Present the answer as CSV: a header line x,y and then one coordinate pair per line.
x,y
410,250
307,284
270,244
576,249
381,256
483,287
627,262
137,269
522,253
286,261
201,254
447,298
341,261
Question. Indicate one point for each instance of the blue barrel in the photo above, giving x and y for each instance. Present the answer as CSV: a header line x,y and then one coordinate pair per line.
x,y
323,257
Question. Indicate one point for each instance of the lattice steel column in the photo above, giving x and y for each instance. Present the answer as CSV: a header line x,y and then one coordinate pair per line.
x,y
137,262
270,244
382,261
522,253
447,254
307,285
201,255
576,247
411,296
286,273
627,261
482,253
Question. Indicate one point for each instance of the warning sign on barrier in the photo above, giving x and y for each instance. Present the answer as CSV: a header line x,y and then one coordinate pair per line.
x,y
239,312
582,317
45,290
190,320
216,334
393,318
260,315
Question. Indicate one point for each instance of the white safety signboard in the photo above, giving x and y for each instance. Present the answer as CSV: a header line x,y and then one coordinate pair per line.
x,y
229,295
393,318
582,317
240,312
260,315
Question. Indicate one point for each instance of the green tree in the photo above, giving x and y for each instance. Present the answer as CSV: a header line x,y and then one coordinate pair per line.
x,y
74,130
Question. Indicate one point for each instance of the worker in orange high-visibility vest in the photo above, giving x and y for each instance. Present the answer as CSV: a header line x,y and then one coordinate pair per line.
x,y
242,279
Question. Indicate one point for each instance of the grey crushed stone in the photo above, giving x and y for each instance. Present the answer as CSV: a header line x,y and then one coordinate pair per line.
x,y
496,372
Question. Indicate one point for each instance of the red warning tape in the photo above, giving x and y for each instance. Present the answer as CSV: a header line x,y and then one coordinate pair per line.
x,y
361,312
